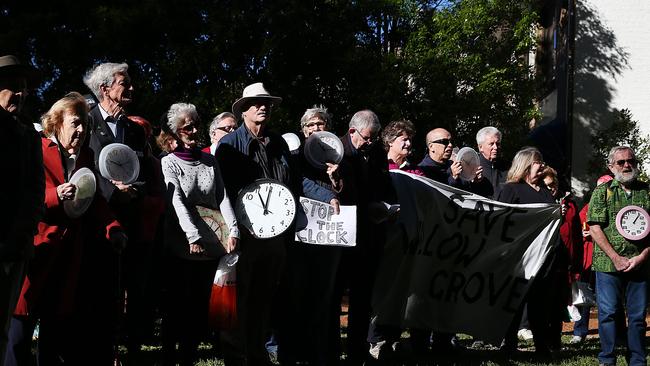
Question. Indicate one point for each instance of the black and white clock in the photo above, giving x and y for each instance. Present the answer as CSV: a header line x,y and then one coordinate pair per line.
x,y
633,222
119,162
266,207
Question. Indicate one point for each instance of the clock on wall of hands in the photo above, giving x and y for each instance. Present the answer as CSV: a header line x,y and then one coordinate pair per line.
x,y
633,222
119,162
266,208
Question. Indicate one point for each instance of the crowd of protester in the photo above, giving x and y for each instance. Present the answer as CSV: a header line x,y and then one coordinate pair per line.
x,y
141,249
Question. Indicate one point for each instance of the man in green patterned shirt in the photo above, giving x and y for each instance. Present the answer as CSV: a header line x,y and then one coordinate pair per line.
x,y
619,264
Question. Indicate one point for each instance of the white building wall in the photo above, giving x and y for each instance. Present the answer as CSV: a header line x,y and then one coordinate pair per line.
x,y
612,71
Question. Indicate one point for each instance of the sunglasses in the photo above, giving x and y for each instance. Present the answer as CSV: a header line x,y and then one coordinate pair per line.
x,y
442,142
226,129
621,163
188,128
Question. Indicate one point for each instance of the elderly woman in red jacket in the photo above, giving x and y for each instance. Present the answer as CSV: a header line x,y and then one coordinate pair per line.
x,y
50,288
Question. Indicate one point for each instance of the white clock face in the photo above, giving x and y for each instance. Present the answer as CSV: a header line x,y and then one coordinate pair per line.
x,y
118,162
634,223
120,166
266,208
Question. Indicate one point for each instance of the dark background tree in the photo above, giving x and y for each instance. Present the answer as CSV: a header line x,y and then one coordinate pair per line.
x,y
455,64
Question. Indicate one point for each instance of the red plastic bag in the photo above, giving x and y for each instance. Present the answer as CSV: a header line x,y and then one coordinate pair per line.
x,y
223,299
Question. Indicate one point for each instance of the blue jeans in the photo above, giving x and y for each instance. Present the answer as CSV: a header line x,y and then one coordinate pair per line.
x,y
613,290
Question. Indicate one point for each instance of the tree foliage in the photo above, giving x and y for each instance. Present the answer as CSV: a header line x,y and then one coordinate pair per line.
x,y
454,64
624,131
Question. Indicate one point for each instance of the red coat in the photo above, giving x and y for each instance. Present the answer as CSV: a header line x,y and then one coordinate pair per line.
x,y
587,242
571,234
51,282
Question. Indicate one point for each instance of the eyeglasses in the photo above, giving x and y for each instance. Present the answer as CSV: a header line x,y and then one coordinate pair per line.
x,y
368,139
188,128
621,163
312,124
442,142
226,129
540,162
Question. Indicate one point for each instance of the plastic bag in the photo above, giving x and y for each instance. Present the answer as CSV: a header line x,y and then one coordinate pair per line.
x,y
581,294
223,299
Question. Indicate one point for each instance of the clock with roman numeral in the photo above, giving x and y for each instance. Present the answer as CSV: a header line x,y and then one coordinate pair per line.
x,y
266,207
633,222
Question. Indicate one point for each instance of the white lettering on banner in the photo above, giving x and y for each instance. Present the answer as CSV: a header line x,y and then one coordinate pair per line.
x,y
458,262
324,227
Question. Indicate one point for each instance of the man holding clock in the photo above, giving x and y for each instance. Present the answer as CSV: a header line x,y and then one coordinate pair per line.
x,y
264,211
620,255
108,124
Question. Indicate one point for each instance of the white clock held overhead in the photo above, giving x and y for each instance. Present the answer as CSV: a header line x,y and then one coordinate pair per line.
x,y
633,222
119,162
266,207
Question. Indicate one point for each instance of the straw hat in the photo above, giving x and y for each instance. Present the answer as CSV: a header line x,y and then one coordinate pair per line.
x,y
253,91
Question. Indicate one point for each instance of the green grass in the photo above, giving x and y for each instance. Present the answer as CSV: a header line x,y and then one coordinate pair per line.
x,y
570,355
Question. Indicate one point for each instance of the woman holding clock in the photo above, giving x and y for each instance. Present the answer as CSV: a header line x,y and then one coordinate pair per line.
x,y
200,228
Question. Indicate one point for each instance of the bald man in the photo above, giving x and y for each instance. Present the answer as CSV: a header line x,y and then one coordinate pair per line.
x,y
437,164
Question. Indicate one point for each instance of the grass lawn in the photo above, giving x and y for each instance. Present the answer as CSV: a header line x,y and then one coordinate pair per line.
x,y
570,355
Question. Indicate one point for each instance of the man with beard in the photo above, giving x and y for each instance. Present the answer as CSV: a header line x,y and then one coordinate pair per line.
x,y
620,264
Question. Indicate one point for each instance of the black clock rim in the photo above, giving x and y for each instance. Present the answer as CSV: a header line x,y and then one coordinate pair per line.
x,y
259,181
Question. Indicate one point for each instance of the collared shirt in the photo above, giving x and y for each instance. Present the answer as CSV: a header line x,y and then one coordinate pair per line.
x,y
69,160
111,122
606,202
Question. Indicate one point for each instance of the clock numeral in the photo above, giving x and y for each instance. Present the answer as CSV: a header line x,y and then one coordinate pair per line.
x,y
273,229
249,196
624,227
261,230
286,201
288,212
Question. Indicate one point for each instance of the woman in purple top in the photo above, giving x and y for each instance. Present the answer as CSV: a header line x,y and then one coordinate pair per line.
x,y
397,138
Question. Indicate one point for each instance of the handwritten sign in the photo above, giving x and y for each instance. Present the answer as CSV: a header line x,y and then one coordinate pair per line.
x,y
324,227
457,262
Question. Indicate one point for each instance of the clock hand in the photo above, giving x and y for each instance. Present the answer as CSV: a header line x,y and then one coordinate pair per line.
x,y
114,162
263,204
268,196
637,217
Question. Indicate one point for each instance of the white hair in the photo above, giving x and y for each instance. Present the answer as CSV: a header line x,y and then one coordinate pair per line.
x,y
177,112
614,150
484,132
315,111
365,119
220,117
103,74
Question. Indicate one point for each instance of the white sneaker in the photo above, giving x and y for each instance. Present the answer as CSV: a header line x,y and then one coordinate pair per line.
x,y
375,348
576,340
525,334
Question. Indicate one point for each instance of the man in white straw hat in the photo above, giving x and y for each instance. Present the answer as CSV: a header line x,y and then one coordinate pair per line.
x,y
249,153
245,155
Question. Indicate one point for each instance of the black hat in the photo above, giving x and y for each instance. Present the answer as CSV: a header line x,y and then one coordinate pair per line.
x,y
11,66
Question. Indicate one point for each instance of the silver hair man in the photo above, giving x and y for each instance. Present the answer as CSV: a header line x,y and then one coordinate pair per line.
x,y
365,119
103,75
484,132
